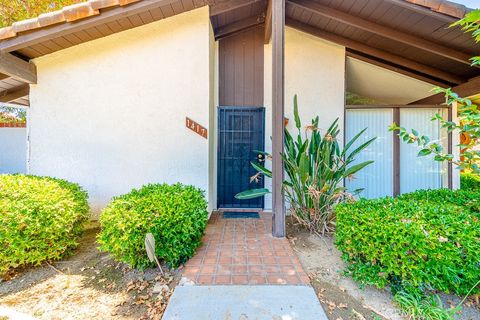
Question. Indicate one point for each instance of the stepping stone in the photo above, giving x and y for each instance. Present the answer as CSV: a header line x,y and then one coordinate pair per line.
x,y
244,303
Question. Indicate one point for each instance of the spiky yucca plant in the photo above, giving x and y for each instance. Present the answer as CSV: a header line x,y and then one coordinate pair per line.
x,y
315,167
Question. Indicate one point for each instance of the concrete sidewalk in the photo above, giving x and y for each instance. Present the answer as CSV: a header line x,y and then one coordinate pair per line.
x,y
246,302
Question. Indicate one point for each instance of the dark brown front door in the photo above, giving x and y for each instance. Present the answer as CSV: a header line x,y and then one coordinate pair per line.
x,y
241,115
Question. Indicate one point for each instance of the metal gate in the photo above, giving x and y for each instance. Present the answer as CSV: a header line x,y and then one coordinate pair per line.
x,y
241,132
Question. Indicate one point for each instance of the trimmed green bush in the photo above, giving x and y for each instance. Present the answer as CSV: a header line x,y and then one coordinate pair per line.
x,y
464,198
425,239
469,181
41,219
176,215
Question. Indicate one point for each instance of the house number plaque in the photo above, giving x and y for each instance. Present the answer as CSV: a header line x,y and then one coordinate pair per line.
x,y
195,127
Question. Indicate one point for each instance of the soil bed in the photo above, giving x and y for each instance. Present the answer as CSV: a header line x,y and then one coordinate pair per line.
x,y
87,285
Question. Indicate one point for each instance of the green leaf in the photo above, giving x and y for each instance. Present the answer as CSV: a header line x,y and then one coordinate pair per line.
x,y
360,149
354,169
393,127
304,167
298,123
262,169
252,193
352,141
424,152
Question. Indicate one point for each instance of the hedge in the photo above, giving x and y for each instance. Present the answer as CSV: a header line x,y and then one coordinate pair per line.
x,y
176,215
425,239
469,181
41,218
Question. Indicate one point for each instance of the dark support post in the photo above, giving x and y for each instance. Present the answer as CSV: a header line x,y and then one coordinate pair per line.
x,y
278,101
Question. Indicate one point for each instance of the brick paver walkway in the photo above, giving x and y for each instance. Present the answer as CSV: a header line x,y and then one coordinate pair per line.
x,y
243,251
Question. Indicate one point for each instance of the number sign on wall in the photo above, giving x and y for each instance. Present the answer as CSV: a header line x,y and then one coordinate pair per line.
x,y
195,127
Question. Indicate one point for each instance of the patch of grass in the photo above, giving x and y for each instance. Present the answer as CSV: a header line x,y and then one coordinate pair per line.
x,y
375,316
420,307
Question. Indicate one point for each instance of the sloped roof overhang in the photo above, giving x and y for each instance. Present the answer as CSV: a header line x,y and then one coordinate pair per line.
x,y
411,36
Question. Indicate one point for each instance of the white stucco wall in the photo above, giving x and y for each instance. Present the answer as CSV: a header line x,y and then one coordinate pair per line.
x,y
110,114
13,150
315,71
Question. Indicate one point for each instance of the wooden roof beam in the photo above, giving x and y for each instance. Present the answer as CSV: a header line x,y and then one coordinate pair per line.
x,y
17,68
377,53
383,31
237,26
14,93
467,89
397,69
268,22
227,5
41,35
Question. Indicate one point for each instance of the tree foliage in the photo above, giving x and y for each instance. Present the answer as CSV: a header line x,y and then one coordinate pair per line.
x,y
471,23
12,115
468,123
16,10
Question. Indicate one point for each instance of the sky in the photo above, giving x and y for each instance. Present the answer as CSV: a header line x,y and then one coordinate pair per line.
x,y
469,3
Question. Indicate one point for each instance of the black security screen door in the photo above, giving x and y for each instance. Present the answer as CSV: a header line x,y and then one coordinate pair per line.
x,y
240,134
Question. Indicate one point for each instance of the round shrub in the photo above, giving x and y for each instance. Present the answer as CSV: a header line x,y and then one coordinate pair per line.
x,y
426,239
176,215
41,219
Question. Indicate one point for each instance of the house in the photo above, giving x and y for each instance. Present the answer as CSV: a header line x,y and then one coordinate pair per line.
x,y
13,142
127,92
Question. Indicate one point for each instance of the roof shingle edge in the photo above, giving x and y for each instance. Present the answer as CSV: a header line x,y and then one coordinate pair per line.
x,y
66,14
443,6
92,7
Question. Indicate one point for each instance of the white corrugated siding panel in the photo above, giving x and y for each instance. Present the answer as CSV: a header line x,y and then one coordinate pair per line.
x,y
377,178
421,172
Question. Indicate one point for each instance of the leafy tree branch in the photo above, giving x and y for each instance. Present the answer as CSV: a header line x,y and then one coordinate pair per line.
x,y
467,125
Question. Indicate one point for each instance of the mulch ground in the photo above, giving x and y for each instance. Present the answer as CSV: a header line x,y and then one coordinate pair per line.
x,y
88,285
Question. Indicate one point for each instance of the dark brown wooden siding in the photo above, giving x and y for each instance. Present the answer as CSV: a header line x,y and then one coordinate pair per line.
x,y
241,69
